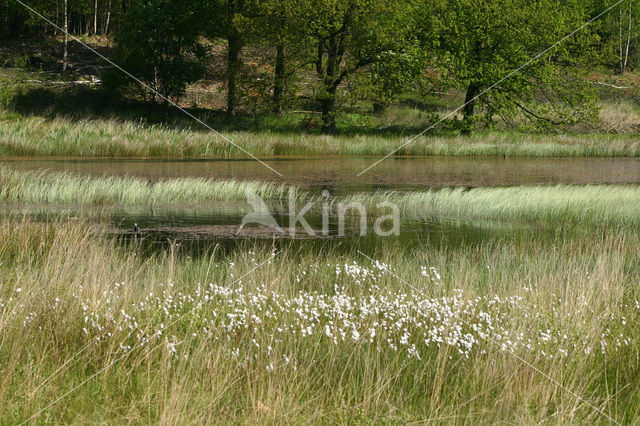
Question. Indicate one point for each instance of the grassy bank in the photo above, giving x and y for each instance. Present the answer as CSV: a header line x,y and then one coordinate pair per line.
x,y
36,136
177,339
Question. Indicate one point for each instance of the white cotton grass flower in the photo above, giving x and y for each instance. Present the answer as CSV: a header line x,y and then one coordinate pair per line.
x,y
432,274
257,321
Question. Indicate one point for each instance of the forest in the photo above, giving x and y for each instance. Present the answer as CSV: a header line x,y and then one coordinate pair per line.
x,y
325,57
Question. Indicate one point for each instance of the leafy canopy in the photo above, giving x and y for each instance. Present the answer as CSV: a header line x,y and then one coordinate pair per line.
x,y
161,46
477,43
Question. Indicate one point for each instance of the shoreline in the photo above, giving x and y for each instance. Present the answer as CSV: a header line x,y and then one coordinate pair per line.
x,y
38,137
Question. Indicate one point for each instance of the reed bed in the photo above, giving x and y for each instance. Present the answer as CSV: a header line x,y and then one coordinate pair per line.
x,y
35,136
610,205
249,336
615,205
68,188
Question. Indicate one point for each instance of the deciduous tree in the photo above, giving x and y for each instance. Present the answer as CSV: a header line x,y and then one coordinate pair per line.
x,y
275,26
482,42
348,36
160,46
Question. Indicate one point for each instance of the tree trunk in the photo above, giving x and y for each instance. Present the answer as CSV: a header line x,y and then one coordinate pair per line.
x,y
234,43
106,25
6,16
66,36
379,107
165,109
626,56
330,85
469,106
233,64
470,100
621,44
328,108
95,18
278,82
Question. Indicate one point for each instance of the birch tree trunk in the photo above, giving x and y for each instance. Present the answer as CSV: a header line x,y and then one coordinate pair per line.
x,y
626,55
621,43
95,18
106,26
66,36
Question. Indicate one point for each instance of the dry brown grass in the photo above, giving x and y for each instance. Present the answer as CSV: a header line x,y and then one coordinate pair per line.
x,y
622,117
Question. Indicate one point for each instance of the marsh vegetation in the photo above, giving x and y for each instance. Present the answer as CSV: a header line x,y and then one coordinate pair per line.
x,y
502,329
36,136
562,205
132,293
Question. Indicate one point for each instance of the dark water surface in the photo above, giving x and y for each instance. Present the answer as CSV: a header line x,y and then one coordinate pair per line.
x,y
200,230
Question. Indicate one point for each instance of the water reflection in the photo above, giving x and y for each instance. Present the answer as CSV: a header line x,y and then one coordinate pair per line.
x,y
339,175
199,230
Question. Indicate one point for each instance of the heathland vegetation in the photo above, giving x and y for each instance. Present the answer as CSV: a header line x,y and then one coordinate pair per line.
x,y
533,321
22,136
528,330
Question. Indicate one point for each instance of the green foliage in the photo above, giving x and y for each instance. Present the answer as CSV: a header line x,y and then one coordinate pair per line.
x,y
321,54
619,27
160,47
83,17
274,27
6,96
386,80
481,43
342,40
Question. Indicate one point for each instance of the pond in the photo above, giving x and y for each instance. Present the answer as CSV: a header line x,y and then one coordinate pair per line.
x,y
340,175
200,228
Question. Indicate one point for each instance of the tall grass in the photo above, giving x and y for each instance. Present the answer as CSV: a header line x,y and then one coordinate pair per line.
x,y
68,188
561,204
298,339
621,116
35,136
611,205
